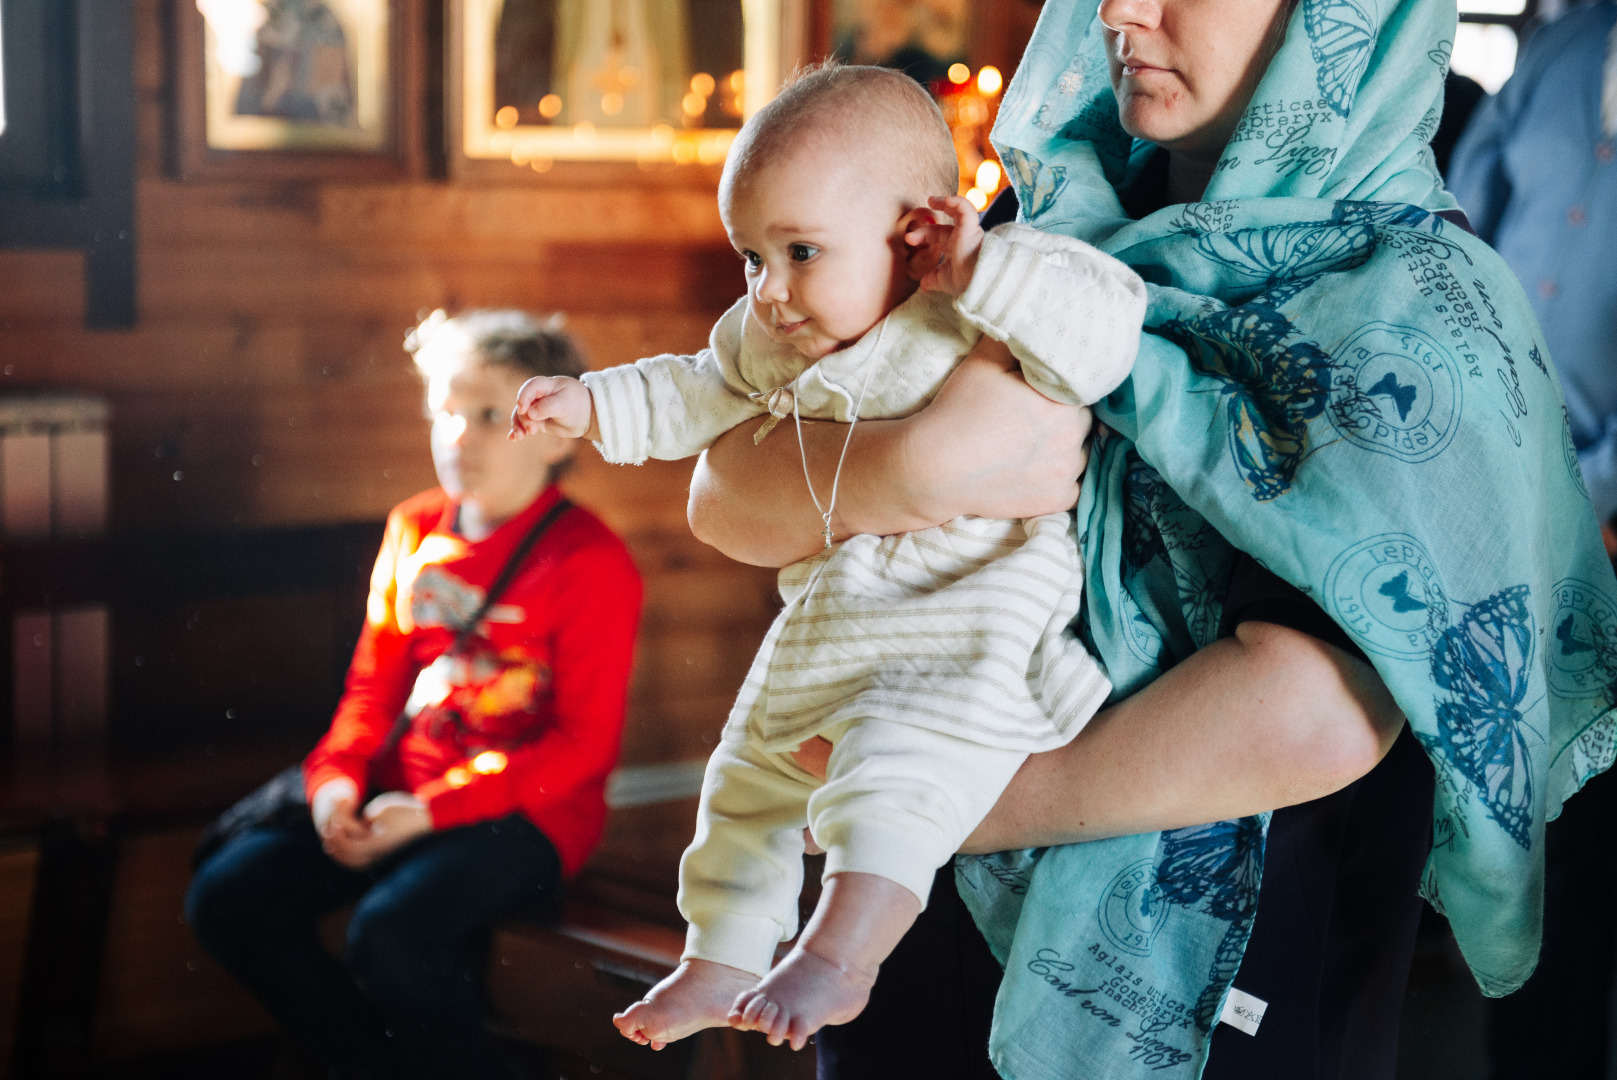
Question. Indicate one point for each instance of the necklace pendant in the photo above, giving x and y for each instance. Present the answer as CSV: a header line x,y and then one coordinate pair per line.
x,y
828,536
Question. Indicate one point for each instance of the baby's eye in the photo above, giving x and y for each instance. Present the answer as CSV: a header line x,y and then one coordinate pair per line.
x,y
490,416
752,259
802,252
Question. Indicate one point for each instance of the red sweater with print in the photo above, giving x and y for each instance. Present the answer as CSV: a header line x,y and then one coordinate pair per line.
x,y
528,716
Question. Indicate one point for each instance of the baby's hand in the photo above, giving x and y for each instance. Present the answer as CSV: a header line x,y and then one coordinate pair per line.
x,y
555,405
945,255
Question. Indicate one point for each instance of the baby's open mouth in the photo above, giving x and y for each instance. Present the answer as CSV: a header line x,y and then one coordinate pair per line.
x,y
788,327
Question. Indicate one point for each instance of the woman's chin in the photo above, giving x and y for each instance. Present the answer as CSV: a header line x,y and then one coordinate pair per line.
x,y
1151,118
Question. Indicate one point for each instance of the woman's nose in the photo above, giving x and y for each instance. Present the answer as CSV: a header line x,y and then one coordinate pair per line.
x,y
1123,15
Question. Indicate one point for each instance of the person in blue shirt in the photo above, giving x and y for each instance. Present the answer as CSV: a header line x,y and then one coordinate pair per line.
x,y
1536,172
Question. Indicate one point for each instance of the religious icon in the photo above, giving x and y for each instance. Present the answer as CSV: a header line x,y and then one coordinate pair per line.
x,y
919,37
303,71
296,74
635,80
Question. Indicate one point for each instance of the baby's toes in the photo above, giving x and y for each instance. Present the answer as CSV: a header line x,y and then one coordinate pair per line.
x,y
760,1013
628,1022
775,1023
738,1008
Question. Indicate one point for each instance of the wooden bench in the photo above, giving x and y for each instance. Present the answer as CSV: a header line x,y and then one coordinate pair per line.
x,y
203,659
110,968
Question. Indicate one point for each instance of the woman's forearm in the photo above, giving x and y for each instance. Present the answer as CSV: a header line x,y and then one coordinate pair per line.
x,y
1269,718
989,445
752,503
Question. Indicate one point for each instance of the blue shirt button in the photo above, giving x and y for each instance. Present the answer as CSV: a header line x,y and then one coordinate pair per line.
x,y
1605,150
1577,216
1548,289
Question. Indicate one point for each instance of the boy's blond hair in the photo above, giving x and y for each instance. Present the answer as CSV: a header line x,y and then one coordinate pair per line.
x,y
883,116
505,337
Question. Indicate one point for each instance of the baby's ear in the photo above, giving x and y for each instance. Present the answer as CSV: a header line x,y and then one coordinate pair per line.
x,y
923,215
919,218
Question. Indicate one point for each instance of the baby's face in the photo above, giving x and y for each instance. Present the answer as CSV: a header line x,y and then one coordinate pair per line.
x,y
823,245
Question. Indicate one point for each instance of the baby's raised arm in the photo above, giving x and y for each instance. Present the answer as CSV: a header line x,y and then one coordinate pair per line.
x,y
666,407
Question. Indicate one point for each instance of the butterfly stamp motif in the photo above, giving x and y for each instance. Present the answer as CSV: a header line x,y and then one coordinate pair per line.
x,y
1385,592
1132,909
1341,37
1162,536
1038,185
1583,654
1215,869
1399,392
1279,253
1275,386
1483,666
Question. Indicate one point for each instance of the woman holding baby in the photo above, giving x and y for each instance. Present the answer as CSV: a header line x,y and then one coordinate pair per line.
x,y
1290,549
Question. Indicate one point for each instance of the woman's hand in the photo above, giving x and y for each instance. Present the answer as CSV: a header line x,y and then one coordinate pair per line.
x,y
389,822
988,445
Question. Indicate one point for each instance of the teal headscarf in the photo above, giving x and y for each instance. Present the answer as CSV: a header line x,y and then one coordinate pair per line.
x,y
1353,390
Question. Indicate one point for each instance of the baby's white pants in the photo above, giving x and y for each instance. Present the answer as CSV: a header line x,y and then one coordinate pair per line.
x,y
898,801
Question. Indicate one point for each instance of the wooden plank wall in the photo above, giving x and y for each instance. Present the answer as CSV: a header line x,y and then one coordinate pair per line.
x,y
265,384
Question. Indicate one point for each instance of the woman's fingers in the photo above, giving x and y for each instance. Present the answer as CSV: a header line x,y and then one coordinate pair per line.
x,y
994,446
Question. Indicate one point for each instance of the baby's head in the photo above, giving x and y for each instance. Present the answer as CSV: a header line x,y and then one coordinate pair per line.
x,y
819,189
473,364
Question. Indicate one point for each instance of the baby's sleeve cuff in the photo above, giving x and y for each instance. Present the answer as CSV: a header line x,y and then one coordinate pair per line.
x,y
739,941
622,413
1003,267
1069,312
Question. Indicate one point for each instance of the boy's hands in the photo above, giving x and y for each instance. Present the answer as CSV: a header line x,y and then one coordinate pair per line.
x,y
944,255
555,405
388,822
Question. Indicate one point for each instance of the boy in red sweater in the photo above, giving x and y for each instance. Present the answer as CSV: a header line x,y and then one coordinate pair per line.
x,y
492,791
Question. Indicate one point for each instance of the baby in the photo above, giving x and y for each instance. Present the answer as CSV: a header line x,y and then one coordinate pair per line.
x,y
933,661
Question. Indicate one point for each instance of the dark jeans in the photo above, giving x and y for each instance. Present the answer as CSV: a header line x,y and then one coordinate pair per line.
x,y
406,996
1330,953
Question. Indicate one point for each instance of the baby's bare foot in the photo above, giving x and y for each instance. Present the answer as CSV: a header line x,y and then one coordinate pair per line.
x,y
696,996
800,996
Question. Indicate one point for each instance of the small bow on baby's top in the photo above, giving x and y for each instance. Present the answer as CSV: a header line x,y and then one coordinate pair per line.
x,y
778,403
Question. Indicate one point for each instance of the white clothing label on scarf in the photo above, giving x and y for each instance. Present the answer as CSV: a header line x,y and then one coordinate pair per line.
x,y
1243,1012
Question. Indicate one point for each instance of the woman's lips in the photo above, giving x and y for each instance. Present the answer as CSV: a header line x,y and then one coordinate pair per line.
x,y
1134,70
